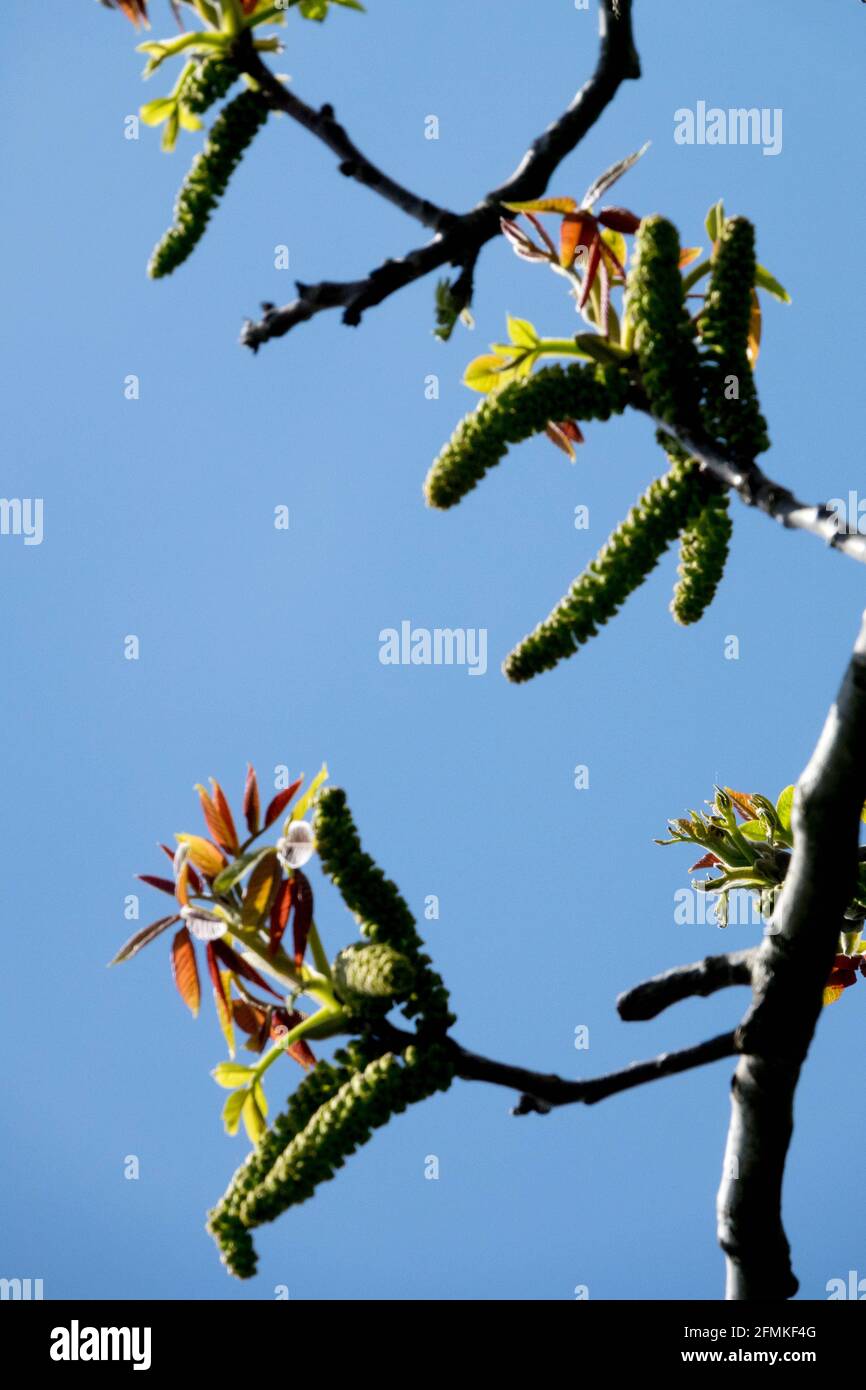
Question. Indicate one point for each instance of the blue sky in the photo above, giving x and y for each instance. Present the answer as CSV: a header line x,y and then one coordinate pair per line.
x,y
262,644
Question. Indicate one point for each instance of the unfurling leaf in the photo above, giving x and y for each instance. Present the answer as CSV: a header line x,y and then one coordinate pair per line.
x,y
142,937
203,854
309,796
281,801
280,909
282,1022
252,805
218,816
564,205
260,890
610,176
235,871
743,804
302,897
689,254
184,968
765,281
753,342
521,332
564,434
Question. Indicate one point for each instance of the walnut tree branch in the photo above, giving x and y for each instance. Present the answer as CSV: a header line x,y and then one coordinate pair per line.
x,y
753,487
789,973
459,239
704,977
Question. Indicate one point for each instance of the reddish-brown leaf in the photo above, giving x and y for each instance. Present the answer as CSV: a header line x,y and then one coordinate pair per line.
x,y
220,996
252,804
743,804
184,968
218,817
302,898
281,801
247,1017
280,909
135,10
283,1022
236,963
708,861
591,271
618,219
572,234
165,885
248,6
261,887
142,938
564,434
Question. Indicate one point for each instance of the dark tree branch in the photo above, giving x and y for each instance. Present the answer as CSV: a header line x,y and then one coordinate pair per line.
x,y
754,488
704,977
459,239
790,971
323,124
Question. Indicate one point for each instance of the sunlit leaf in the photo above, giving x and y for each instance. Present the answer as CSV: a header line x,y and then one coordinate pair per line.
x,y
753,343
142,938
155,112
260,889
543,205
743,804
754,830
232,1111
254,1120
218,816
235,871
765,281
715,220
221,986
784,806
521,332
485,373
304,802
689,254
184,969
238,966
204,854
832,993
231,1074
280,909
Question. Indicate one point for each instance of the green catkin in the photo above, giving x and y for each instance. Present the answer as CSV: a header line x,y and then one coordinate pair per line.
x,y
339,1126
663,336
377,905
208,178
208,83
734,419
704,546
621,566
374,971
317,1087
514,413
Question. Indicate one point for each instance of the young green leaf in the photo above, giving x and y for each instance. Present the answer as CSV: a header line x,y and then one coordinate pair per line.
x,y
765,281
232,1074
784,805
232,1110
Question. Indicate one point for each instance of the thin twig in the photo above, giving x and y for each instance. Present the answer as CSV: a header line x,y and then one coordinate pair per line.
x,y
459,239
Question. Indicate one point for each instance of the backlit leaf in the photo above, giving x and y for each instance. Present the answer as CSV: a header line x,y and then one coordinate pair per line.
x,y
302,897
238,966
252,805
610,176
485,373
221,986
521,332
280,909
304,803
765,281
204,854
184,969
281,800
254,1120
543,205
260,890
232,1111
784,806
231,1074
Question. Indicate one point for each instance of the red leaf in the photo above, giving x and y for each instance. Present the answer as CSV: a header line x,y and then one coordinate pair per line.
x,y
252,805
220,997
302,897
708,862
248,6
218,817
142,938
564,434
165,885
236,963
280,801
573,233
184,968
618,219
281,1023
248,1018
280,909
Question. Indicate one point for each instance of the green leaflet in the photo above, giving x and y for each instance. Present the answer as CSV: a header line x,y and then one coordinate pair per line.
x,y
621,566
207,179
514,413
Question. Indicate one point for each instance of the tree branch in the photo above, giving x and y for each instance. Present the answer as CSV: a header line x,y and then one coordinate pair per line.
x,y
754,488
323,124
704,977
459,239
790,971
